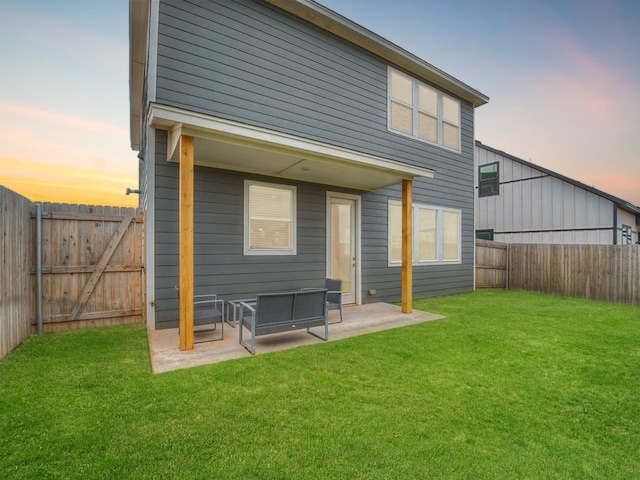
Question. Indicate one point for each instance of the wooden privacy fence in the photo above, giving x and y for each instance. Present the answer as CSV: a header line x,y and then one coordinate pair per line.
x,y
599,272
491,265
15,262
92,266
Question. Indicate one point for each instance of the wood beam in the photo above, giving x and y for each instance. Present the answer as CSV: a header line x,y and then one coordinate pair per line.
x,y
407,246
186,242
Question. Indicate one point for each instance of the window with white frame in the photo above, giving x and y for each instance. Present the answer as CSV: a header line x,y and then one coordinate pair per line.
x,y
269,219
422,111
436,234
395,232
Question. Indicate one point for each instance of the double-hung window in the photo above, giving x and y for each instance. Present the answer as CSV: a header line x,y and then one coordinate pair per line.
x,y
269,219
423,112
436,234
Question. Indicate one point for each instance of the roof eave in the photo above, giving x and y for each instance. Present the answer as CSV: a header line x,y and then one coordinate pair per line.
x,y
138,28
335,23
619,202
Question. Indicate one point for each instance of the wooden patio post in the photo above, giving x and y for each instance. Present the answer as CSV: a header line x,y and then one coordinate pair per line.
x,y
186,242
407,246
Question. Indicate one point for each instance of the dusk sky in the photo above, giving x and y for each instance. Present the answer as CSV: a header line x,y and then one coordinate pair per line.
x,y
563,77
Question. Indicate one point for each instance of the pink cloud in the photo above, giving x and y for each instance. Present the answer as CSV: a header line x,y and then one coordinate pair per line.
x,y
583,88
582,98
58,118
621,185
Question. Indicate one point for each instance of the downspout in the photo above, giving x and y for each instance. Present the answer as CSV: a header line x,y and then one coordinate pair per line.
x,y
39,266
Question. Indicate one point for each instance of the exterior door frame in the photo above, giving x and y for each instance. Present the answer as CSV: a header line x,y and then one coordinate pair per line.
x,y
357,223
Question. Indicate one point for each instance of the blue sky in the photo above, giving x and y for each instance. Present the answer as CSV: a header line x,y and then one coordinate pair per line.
x,y
563,77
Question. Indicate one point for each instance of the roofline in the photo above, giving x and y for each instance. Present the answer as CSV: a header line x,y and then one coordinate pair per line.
x,y
333,22
138,29
312,12
618,201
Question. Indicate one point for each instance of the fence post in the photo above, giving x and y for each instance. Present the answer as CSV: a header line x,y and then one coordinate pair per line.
x,y
39,266
506,273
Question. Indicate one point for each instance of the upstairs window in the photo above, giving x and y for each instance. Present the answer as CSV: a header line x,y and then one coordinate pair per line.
x,y
269,219
421,111
488,180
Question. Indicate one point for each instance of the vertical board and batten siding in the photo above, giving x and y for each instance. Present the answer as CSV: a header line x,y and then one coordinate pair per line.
x,y
533,207
629,219
598,272
16,257
251,62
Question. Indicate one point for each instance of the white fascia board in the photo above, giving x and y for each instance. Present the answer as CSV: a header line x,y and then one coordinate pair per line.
x,y
184,122
138,46
152,59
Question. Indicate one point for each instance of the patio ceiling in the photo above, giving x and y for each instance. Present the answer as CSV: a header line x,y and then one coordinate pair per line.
x,y
227,145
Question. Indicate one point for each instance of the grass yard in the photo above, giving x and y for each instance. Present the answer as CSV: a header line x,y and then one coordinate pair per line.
x,y
510,386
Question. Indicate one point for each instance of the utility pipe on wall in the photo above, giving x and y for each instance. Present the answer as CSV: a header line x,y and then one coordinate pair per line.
x,y
39,266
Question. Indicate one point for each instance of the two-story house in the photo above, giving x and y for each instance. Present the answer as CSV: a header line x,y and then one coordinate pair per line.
x,y
520,202
281,143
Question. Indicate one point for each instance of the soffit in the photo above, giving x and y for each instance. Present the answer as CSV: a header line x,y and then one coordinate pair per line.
x,y
233,146
138,27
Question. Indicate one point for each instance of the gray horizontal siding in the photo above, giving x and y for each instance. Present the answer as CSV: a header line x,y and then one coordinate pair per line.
x,y
428,280
250,62
221,267
220,263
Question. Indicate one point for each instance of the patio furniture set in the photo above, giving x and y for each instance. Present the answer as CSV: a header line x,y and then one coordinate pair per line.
x,y
268,313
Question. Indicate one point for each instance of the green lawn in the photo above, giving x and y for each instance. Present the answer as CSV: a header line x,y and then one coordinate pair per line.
x,y
509,386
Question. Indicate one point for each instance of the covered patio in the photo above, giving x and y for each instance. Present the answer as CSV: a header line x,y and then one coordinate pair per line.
x,y
166,354
198,139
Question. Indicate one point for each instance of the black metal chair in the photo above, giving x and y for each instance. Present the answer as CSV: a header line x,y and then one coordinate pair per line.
x,y
334,295
208,312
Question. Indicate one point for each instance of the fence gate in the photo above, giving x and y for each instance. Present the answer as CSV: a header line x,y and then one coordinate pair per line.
x,y
491,265
91,265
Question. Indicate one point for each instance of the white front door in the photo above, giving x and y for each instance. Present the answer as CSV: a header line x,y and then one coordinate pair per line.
x,y
343,245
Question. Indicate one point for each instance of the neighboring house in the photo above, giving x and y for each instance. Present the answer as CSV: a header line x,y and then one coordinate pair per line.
x,y
519,202
305,130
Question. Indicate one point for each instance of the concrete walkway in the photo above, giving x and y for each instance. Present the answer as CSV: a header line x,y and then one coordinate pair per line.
x,y
358,320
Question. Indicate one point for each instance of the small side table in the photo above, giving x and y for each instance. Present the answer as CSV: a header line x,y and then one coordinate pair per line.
x,y
235,306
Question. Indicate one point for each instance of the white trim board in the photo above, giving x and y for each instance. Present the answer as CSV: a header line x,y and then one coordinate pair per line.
x,y
358,234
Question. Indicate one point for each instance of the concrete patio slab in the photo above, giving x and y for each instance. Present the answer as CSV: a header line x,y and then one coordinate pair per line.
x,y
358,320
